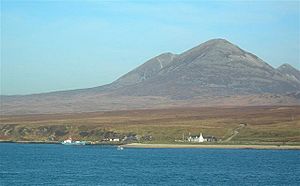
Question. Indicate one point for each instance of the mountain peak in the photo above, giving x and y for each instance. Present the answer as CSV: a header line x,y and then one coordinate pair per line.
x,y
218,45
286,66
290,72
217,41
220,52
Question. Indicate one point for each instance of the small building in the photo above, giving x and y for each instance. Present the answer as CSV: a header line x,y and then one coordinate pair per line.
x,y
129,139
210,138
198,139
114,139
201,138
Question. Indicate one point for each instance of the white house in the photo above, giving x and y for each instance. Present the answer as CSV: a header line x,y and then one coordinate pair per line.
x,y
114,139
199,139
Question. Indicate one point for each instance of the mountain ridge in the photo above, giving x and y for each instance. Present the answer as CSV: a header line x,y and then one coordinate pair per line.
x,y
215,72
185,67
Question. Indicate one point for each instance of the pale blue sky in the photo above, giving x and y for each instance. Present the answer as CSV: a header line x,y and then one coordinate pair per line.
x,y
62,45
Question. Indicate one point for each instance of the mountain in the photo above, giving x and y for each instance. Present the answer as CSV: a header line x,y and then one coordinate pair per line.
x,y
216,72
290,72
146,71
216,67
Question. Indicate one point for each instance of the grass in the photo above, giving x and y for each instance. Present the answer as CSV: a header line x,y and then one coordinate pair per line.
x,y
264,124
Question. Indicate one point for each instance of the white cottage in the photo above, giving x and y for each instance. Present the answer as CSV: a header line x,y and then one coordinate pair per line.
x,y
199,139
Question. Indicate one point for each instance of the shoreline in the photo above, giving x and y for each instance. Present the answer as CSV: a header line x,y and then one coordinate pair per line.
x,y
213,146
172,146
55,142
30,142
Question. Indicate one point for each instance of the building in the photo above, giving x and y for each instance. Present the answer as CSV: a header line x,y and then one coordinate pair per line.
x,y
114,139
210,138
201,138
130,139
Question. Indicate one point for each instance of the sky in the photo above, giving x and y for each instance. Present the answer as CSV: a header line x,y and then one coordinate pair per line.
x,y
62,45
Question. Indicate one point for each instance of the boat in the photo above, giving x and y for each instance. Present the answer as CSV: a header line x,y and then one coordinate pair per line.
x,y
71,142
120,148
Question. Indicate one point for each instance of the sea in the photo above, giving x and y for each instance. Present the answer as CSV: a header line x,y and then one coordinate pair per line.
x,y
55,164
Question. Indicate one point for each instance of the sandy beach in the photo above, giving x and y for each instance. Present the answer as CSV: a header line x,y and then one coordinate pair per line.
x,y
140,145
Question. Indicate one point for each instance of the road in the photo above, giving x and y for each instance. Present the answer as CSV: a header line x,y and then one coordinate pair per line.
x,y
235,132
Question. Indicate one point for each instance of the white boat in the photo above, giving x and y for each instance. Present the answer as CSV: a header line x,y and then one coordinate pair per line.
x,y
70,142
120,148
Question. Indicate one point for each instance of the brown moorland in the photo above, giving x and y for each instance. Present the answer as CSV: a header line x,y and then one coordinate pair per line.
x,y
260,124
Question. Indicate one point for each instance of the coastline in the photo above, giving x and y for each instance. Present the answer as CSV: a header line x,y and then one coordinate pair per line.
x,y
219,146
57,142
157,146
30,142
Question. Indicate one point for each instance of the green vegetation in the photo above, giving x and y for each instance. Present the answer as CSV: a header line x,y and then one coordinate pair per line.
x,y
262,125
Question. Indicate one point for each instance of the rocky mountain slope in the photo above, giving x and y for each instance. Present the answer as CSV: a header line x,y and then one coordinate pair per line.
x,y
216,67
216,72
290,72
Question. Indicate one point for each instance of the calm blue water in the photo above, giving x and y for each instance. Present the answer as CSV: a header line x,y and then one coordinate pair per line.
x,y
40,164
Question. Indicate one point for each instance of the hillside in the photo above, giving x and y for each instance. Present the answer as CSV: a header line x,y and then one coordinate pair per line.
x,y
260,124
214,73
214,68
